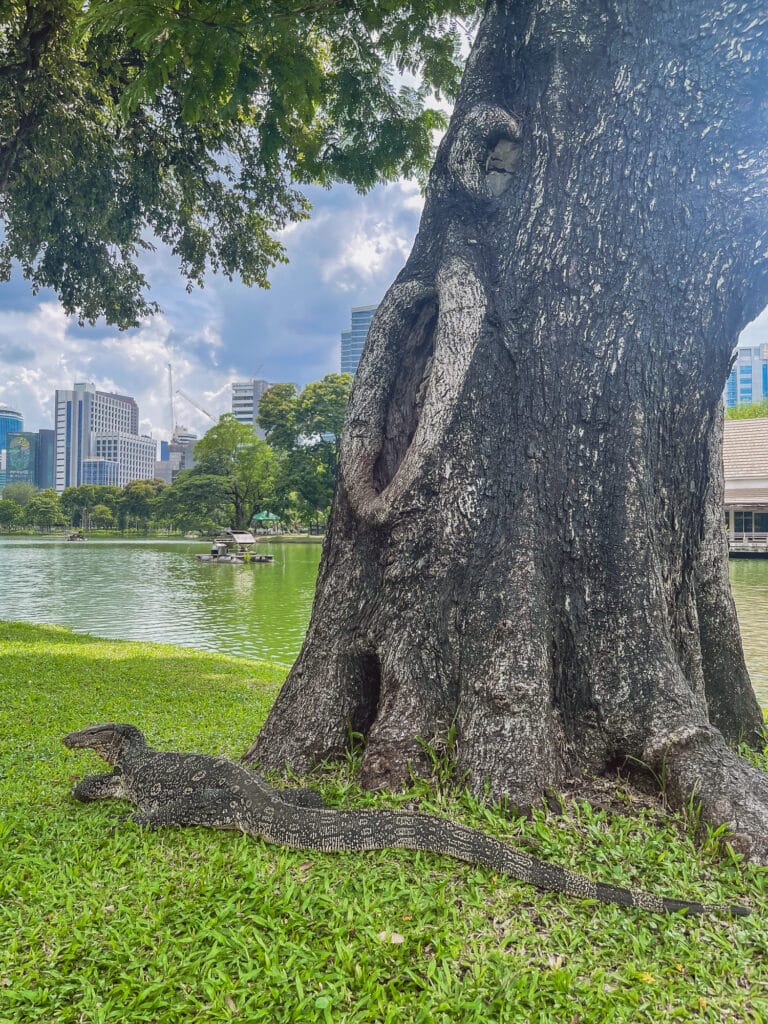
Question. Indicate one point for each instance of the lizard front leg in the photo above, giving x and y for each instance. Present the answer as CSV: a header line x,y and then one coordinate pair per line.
x,y
108,786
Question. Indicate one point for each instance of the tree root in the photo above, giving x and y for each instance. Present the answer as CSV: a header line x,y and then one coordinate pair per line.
x,y
697,766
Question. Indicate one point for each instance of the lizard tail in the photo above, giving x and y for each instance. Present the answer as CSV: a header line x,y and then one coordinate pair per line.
x,y
336,831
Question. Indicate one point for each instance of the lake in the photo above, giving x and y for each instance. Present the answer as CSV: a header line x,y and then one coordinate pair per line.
x,y
749,583
156,590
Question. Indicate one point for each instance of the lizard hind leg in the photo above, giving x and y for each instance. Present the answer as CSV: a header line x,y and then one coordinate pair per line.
x,y
300,797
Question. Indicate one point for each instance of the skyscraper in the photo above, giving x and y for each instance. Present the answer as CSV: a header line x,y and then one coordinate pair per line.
x,y
30,458
93,424
353,340
11,422
748,380
246,395
45,467
21,458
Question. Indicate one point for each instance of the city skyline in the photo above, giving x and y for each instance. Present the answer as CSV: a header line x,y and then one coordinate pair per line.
x,y
347,254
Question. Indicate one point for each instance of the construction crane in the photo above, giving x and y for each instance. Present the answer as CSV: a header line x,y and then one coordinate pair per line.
x,y
172,404
193,402
170,400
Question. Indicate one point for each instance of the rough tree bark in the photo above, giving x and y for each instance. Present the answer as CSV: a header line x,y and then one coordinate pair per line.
x,y
526,542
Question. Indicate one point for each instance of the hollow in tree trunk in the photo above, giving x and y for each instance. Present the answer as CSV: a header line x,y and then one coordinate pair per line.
x,y
526,544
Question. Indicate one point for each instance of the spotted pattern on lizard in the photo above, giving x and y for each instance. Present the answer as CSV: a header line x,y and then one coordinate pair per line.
x,y
175,789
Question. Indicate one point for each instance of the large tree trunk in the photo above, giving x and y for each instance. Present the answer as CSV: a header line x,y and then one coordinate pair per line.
x,y
526,544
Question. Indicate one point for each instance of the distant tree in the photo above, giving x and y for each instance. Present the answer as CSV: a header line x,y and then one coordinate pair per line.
x,y
753,411
121,120
322,406
85,498
21,493
306,426
102,517
195,501
11,513
44,510
137,502
288,417
247,466
277,416
306,480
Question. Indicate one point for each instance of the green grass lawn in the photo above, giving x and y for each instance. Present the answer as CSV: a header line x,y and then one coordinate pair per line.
x,y
102,922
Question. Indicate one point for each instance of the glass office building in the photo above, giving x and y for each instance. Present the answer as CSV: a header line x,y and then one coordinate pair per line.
x,y
11,422
353,340
748,380
30,458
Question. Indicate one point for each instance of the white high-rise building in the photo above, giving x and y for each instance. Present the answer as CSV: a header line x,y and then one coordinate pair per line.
x,y
246,395
135,455
97,428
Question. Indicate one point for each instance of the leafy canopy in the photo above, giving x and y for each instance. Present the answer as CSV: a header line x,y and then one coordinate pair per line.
x,y
44,510
277,415
20,492
246,465
87,497
306,429
751,411
289,418
196,501
191,122
11,513
102,517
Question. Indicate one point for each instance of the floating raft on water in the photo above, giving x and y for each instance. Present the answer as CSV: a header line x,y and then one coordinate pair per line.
x,y
233,547
235,559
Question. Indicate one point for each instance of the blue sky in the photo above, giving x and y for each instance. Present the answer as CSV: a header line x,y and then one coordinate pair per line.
x,y
346,255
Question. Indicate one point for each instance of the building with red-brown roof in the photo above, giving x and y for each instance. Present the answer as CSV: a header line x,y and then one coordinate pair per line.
x,y
745,462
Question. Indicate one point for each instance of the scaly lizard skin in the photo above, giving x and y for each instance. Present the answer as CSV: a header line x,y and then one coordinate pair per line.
x,y
197,789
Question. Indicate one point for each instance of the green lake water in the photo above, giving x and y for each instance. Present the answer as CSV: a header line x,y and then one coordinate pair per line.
x,y
749,583
156,590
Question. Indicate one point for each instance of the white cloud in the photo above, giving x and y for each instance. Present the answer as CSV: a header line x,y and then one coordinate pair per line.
x,y
756,333
56,353
373,240
345,255
367,251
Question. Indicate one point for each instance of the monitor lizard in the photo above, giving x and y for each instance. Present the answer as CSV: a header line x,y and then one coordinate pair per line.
x,y
199,789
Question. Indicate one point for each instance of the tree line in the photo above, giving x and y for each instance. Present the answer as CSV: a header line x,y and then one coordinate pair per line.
x,y
237,475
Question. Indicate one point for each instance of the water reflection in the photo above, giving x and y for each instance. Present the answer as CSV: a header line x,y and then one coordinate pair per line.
x,y
144,590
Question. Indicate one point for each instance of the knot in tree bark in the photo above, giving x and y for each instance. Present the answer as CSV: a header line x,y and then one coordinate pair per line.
x,y
485,150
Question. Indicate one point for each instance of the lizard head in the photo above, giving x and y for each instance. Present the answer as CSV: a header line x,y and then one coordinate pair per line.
x,y
110,740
